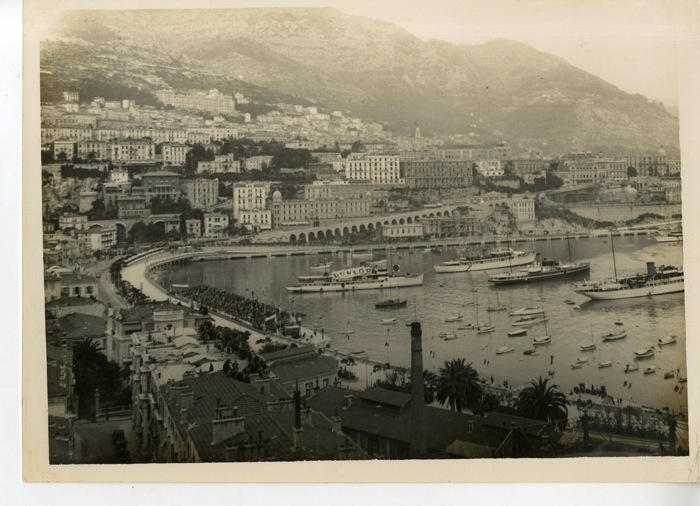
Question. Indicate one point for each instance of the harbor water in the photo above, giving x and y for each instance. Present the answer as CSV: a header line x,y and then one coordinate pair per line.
x,y
468,294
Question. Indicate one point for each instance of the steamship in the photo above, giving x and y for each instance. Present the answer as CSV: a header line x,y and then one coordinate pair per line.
x,y
665,279
498,258
358,278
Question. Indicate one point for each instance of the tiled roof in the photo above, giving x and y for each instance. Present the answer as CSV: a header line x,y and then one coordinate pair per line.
x,y
443,427
77,325
287,353
76,279
384,396
304,368
252,405
146,310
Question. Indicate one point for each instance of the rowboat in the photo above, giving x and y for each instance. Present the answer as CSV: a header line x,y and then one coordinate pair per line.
x,y
389,321
542,340
631,367
644,352
576,366
504,349
605,364
613,336
448,337
650,370
667,340
518,332
456,318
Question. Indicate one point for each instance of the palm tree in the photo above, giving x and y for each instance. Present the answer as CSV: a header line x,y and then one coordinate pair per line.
x,y
542,401
458,385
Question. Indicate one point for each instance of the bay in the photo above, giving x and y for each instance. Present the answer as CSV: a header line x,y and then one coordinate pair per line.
x,y
646,319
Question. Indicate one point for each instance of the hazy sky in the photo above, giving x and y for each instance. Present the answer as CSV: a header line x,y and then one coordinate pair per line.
x,y
629,43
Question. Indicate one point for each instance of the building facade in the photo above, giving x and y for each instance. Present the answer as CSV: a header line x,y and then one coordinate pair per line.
x,y
202,193
249,197
215,225
436,174
375,168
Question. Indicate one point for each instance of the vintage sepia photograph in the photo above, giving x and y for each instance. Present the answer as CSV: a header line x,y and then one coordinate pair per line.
x,y
369,231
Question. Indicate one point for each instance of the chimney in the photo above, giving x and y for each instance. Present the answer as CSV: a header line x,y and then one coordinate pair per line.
x,y
306,417
298,430
187,400
184,416
347,401
262,386
226,424
336,425
418,436
651,269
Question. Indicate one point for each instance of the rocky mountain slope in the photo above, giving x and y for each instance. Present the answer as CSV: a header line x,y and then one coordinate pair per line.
x,y
382,73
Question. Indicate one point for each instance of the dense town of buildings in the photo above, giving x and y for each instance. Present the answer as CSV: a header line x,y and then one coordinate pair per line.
x,y
186,404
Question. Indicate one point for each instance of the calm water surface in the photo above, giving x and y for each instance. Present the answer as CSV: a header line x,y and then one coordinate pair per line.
x,y
645,319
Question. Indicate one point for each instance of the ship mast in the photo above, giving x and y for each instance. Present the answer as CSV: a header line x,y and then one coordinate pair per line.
x,y
612,244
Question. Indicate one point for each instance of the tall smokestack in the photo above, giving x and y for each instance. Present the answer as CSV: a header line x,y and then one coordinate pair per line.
x,y
651,269
418,443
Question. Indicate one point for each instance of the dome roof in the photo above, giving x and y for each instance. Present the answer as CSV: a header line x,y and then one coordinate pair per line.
x,y
277,195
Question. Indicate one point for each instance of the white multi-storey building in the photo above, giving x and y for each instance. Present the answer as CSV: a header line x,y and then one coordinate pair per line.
x,y
215,224
489,168
201,193
249,197
175,154
374,168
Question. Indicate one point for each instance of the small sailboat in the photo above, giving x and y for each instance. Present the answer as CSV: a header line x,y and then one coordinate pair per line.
x,y
576,366
347,330
542,340
603,365
619,322
389,321
526,311
650,370
455,318
589,347
529,320
531,351
582,360
467,326
448,336
497,307
517,333
504,349
483,329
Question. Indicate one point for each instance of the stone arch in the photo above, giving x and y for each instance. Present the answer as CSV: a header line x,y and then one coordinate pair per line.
x,y
379,225
346,231
409,220
292,238
320,235
363,228
446,213
121,232
394,222
402,221
96,226
431,215
337,232
302,237
439,213
329,233
370,227
386,222
416,219
312,236
353,229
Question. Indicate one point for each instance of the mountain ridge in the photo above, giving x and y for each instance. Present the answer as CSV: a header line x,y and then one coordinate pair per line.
x,y
383,73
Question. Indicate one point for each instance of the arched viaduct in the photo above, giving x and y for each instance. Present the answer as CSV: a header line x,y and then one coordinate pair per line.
x,y
302,235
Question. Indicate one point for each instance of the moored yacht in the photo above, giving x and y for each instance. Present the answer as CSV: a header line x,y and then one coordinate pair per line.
x,y
498,258
358,278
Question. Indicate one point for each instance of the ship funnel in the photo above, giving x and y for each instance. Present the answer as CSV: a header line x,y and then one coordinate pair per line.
x,y
651,269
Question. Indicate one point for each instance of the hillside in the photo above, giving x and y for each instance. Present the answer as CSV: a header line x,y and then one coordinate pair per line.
x,y
377,71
